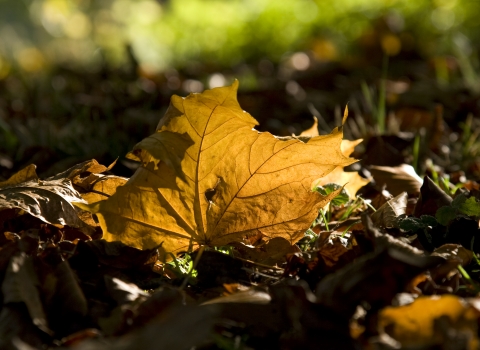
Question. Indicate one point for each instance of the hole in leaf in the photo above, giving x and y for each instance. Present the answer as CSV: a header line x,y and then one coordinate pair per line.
x,y
210,193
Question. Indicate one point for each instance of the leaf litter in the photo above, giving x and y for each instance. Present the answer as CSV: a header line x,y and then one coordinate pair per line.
x,y
91,260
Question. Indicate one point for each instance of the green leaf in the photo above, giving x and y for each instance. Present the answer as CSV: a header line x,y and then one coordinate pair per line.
x,y
410,224
342,197
413,224
445,214
470,207
429,220
459,200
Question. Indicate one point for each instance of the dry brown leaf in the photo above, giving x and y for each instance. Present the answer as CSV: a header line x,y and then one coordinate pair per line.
x,y
271,253
49,200
21,285
387,215
90,167
208,178
398,179
89,180
26,174
454,252
250,296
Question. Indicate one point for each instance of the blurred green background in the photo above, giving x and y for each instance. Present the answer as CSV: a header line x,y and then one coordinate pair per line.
x,y
39,34
86,79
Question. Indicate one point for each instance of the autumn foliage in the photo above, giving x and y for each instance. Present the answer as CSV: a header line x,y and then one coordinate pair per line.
x,y
239,238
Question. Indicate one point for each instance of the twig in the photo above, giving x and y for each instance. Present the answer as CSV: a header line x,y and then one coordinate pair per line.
x,y
260,264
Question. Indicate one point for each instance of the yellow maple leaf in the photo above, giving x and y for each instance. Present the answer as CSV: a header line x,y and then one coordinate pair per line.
x,y
209,178
351,179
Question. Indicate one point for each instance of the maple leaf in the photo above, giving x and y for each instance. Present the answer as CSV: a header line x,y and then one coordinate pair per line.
x,y
351,180
209,178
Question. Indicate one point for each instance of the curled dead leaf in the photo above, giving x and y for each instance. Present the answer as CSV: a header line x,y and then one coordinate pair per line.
x,y
456,252
387,215
49,200
26,174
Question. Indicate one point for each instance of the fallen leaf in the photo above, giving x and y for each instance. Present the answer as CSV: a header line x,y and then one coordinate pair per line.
x,y
78,173
49,200
431,199
419,324
60,292
26,174
388,150
381,240
112,254
80,336
17,330
102,188
272,252
413,119
87,177
336,252
208,178
123,292
313,130
387,215
398,179
21,285
250,296
160,332
351,180
455,252
215,269
386,271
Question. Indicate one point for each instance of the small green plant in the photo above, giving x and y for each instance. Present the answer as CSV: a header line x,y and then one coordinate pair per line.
x,y
474,285
443,181
461,205
227,250
341,199
378,109
412,224
416,152
182,266
308,241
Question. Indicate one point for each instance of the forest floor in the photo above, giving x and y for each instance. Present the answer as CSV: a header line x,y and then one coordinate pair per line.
x,y
394,265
